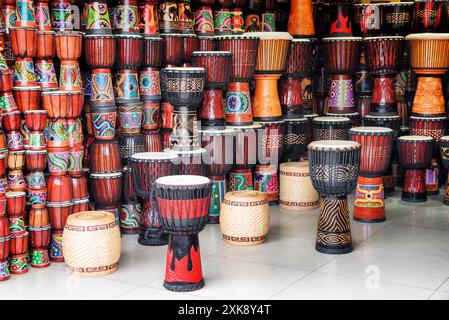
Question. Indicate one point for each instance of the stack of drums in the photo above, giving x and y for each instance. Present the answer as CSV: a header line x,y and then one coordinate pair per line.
x,y
100,49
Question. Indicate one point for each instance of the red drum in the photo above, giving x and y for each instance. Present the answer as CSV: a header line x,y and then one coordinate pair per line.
x,y
106,188
16,160
11,121
59,189
152,140
173,49
184,210
58,213
45,44
300,60
40,233
79,186
153,53
415,155
129,193
246,145
100,51
36,120
145,168
270,142
58,104
104,156
206,43
430,127
375,157
23,41
15,203
36,160
27,98
3,165
129,51
80,205
5,238
69,45
18,247
77,97
190,44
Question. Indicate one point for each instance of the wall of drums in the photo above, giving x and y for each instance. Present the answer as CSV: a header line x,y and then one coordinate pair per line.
x,y
275,102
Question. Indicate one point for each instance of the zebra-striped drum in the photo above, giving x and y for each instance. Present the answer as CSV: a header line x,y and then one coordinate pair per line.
x,y
334,167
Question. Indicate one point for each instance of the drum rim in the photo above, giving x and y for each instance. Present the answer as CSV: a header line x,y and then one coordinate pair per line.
x,y
31,88
269,122
391,4
35,112
211,53
427,36
46,32
18,151
136,36
20,235
244,36
174,35
70,33
104,36
296,120
251,126
246,192
341,39
332,145
445,138
276,35
15,194
217,131
327,119
56,93
11,113
415,138
162,155
81,201
187,152
56,204
295,164
369,130
21,28
186,69
382,117
382,38
152,37
427,118
106,175
181,181
312,115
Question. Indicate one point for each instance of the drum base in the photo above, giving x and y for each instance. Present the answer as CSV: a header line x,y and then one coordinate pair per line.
x,y
129,231
152,237
414,197
389,190
214,220
369,220
267,119
433,193
183,286
333,250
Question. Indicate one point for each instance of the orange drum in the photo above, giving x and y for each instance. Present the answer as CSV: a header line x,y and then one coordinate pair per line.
x,y
300,20
59,189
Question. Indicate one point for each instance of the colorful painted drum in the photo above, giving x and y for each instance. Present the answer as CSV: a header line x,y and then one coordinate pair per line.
x,y
149,24
245,218
98,21
375,157
150,115
14,141
334,166
204,21
56,134
183,228
43,17
238,110
168,17
331,128
24,73
102,90
46,74
266,181
130,118
126,87
70,76
149,84
5,238
126,18
222,22
58,160
415,155
18,248
62,16
129,217
146,168
300,20
296,192
104,121
56,246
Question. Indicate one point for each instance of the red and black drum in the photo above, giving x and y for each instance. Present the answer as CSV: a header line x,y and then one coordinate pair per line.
x,y
377,143
183,203
331,128
106,189
129,145
383,57
368,19
152,140
218,159
295,139
429,16
129,51
415,155
334,166
173,49
270,142
341,59
444,152
147,167
246,145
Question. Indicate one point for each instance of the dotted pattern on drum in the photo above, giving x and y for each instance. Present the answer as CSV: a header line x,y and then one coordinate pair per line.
x,y
92,243
244,218
296,190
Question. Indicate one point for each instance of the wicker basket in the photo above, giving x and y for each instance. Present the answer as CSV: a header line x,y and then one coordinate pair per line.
x,y
92,243
296,190
245,218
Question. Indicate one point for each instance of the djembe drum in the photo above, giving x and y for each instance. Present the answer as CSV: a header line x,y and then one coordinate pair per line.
x,y
397,18
147,167
295,139
219,159
183,88
183,204
244,57
368,19
270,142
429,59
415,155
383,57
300,20
341,59
376,142
429,16
334,166
444,151
331,128
271,64
218,67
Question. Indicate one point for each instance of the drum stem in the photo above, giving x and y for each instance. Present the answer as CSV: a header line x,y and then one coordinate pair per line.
x,y
183,270
414,187
369,205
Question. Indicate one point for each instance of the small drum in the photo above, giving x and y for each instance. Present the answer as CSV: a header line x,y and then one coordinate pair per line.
x,y
295,187
334,166
300,61
145,168
444,152
183,203
415,155
270,142
398,17
375,157
5,238
266,180
431,127
104,156
331,128
246,145
295,139
245,218
106,188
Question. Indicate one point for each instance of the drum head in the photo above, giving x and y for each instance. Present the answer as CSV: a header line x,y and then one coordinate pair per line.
x,y
15,194
371,130
166,155
335,145
331,119
184,180
270,35
240,128
415,139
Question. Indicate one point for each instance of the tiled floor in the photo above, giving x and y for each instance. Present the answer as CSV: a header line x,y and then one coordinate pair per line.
x,y
406,257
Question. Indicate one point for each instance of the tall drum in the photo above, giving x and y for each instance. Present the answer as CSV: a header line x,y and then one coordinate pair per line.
x,y
376,142
334,167
147,167
415,155
444,151
183,204
429,59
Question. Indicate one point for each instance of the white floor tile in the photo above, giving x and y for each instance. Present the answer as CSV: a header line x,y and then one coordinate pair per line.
x,y
440,295
148,293
324,286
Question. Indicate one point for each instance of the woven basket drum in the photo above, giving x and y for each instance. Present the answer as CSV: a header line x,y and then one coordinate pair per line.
x,y
92,243
245,218
296,190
